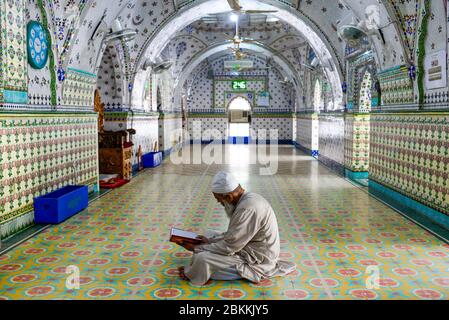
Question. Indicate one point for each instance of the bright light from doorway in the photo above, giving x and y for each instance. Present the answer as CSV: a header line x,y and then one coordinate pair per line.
x,y
239,129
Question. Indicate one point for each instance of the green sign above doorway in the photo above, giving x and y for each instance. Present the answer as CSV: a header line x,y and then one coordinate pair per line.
x,y
239,85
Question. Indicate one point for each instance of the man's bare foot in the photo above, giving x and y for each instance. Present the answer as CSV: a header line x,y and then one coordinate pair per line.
x,y
182,274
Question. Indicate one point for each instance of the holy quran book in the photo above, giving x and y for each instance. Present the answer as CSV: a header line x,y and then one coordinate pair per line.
x,y
178,235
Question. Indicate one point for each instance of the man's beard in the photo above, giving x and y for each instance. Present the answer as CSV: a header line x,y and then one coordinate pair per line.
x,y
229,209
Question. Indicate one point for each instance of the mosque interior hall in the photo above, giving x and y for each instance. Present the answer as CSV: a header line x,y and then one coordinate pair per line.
x,y
310,137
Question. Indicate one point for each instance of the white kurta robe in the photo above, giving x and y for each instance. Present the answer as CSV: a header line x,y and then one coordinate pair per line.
x,y
251,245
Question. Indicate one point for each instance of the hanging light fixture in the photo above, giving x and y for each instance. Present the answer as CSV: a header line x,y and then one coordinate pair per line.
x,y
234,17
118,33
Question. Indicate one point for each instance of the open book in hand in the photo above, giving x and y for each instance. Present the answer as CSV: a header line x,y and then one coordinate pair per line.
x,y
181,236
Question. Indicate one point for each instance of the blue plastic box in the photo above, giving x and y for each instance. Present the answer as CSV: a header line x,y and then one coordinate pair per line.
x,y
239,140
152,159
59,205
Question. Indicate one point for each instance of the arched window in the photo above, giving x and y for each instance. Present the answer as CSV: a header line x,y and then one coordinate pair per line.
x,y
317,97
240,103
365,93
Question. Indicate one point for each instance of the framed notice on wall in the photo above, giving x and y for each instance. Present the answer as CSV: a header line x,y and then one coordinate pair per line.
x,y
263,99
435,68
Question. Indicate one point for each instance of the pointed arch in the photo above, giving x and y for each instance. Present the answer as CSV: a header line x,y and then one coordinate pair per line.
x,y
239,103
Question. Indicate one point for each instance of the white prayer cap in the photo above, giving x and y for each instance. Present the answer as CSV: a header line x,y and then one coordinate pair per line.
x,y
224,183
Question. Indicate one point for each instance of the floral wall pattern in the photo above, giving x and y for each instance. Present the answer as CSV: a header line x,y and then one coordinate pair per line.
x,y
396,86
332,137
307,132
182,49
13,54
357,142
365,98
41,153
78,89
409,154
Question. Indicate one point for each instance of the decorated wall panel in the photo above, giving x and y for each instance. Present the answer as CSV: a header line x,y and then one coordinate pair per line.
x,y
64,21
396,86
40,84
110,80
147,17
223,92
436,54
13,54
42,153
313,100
163,92
210,86
80,52
307,130
363,95
282,123
408,15
409,154
78,89
181,50
201,89
332,137
357,142
170,131
207,123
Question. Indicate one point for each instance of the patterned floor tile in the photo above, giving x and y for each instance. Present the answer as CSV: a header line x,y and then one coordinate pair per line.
x,y
338,236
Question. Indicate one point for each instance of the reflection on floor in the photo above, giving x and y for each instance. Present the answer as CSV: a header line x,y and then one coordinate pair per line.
x,y
338,236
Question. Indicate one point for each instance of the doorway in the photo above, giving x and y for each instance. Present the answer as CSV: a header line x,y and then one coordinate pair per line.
x,y
239,113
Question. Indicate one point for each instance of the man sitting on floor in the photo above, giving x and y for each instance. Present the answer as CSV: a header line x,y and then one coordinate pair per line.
x,y
249,249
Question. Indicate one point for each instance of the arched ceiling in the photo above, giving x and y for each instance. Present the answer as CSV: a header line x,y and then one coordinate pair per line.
x,y
278,38
149,17
217,51
325,51
210,72
158,21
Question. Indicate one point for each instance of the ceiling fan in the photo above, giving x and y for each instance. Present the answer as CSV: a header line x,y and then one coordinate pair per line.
x,y
157,66
237,40
113,32
287,81
237,8
238,53
353,33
